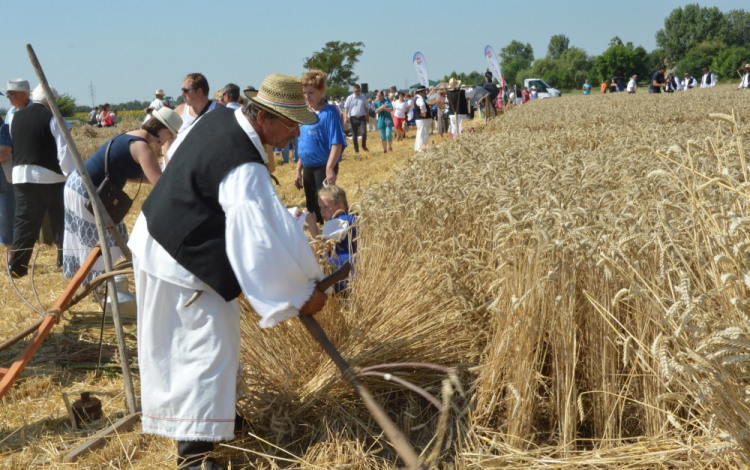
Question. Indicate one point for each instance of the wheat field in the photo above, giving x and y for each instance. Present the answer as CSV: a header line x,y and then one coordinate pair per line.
x,y
582,262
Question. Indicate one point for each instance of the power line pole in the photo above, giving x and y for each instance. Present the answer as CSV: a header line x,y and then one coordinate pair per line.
x,y
92,93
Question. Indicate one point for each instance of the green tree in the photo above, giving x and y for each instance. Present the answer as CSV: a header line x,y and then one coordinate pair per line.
x,y
472,78
698,57
737,28
558,44
515,57
337,59
688,27
626,57
67,105
730,61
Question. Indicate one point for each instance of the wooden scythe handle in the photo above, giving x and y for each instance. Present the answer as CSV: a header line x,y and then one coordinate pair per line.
x,y
394,434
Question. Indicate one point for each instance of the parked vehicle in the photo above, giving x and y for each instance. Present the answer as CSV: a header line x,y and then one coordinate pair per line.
x,y
544,90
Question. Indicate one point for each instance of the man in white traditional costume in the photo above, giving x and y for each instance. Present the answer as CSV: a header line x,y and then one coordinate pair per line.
x,y
423,117
745,83
709,79
213,228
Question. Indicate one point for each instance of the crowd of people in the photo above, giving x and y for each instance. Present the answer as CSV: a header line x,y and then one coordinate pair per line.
x,y
667,82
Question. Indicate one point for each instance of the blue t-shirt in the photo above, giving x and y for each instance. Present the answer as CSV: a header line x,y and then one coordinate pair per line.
x,y
586,88
315,141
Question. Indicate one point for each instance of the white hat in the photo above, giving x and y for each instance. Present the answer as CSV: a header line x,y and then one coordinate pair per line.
x,y
169,118
533,87
159,91
38,94
18,84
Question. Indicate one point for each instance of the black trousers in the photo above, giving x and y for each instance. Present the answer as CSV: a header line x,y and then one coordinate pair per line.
x,y
312,181
356,123
32,202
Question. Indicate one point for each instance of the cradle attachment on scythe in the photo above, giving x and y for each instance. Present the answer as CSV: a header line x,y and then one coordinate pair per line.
x,y
10,375
394,434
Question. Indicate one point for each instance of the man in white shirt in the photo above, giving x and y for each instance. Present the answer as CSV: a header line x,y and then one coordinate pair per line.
x,y
356,112
41,164
709,79
533,94
689,82
230,95
745,83
213,228
632,86
423,118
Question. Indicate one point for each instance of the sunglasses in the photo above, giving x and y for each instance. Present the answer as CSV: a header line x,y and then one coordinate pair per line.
x,y
187,90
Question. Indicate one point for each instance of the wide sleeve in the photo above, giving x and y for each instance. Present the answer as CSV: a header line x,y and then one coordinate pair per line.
x,y
64,155
270,257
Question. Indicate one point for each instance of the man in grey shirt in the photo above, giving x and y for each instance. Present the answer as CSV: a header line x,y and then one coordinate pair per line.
x,y
356,110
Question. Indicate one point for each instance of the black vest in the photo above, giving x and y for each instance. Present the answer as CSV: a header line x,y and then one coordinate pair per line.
x,y
183,212
418,112
33,142
457,99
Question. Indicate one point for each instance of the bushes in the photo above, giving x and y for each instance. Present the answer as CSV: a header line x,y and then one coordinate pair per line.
x,y
729,61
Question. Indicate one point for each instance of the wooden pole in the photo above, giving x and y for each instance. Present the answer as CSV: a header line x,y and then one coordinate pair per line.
x,y
103,221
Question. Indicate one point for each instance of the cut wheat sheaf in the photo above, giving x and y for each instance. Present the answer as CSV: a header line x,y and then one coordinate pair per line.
x,y
583,262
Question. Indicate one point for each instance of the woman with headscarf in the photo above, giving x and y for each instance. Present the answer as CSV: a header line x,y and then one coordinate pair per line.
x,y
130,159
320,145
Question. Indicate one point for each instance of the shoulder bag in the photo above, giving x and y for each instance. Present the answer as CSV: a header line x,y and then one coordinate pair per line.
x,y
115,200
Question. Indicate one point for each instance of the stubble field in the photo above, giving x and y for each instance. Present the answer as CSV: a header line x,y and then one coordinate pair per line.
x,y
582,262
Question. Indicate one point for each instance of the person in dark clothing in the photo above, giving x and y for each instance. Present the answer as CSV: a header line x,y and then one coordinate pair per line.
x,y
658,81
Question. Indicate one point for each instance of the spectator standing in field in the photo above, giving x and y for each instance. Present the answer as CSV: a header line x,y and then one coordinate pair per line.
x,y
613,86
130,159
689,82
657,80
158,101
383,109
533,94
603,86
526,95
400,109
230,96
457,101
587,88
356,113
632,85
41,163
409,112
195,93
673,84
745,83
709,79
423,116
320,144
441,118
92,116
7,201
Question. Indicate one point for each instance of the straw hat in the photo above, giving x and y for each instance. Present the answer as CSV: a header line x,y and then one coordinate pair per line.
x,y
282,95
169,118
453,83
18,84
159,91
251,92
747,66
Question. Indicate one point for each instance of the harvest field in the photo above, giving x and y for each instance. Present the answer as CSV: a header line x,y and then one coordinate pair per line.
x,y
583,262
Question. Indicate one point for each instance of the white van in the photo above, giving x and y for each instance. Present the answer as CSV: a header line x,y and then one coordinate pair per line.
x,y
544,90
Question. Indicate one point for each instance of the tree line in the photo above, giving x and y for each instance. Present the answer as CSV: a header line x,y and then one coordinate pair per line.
x,y
693,37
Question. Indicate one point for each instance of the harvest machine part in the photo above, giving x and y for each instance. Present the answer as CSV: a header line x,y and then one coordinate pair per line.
x,y
43,327
397,438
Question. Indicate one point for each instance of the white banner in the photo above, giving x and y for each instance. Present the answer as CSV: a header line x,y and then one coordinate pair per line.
x,y
421,66
491,57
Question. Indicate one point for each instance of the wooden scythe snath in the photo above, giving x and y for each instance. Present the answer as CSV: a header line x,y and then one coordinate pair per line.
x,y
103,222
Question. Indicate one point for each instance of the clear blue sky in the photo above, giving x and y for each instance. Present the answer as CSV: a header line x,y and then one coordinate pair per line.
x,y
128,48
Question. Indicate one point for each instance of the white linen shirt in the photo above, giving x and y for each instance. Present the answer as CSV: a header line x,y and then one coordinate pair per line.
x,y
632,86
270,256
233,105
745,83
40,175
156,104
689,81
708,85
356,106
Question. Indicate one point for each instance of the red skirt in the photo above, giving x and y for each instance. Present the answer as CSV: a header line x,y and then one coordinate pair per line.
x,y
398,123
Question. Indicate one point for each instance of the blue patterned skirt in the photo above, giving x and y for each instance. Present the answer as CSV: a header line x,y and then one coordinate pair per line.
x,y
80,231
